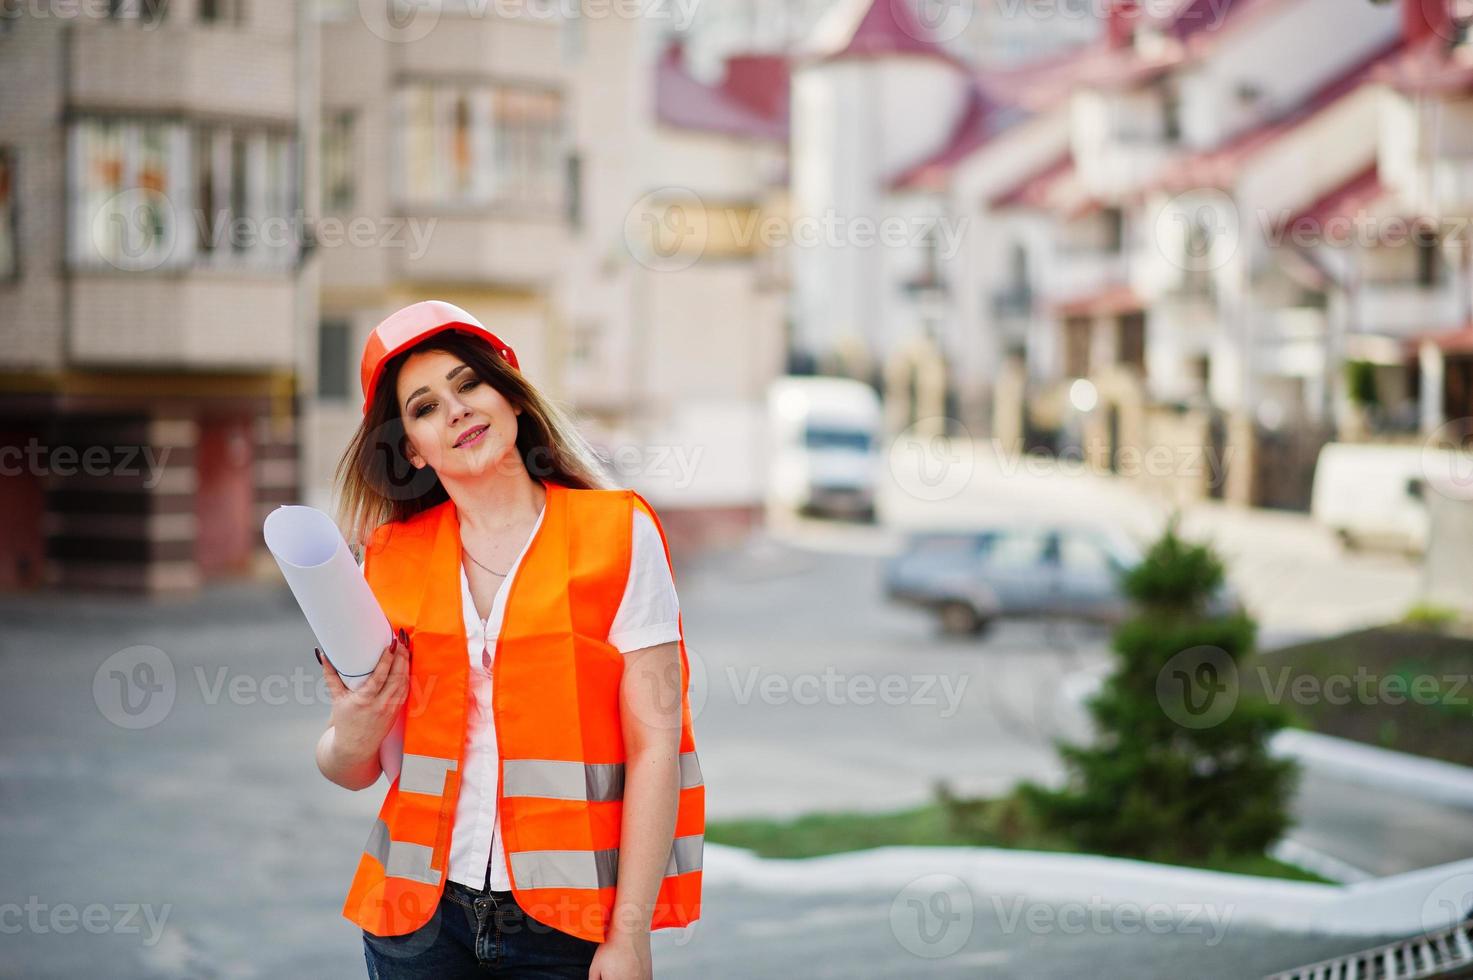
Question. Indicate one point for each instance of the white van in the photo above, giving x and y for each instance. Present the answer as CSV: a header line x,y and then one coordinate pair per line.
x,y
824,435
1372,495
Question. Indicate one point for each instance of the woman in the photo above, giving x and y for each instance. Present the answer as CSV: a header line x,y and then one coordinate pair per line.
x,y
549,811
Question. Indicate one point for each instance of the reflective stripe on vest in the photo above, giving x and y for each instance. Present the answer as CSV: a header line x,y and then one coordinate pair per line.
x,y
595,782
401,859
595,869
424,774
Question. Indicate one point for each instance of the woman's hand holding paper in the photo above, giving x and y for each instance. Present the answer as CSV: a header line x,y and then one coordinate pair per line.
x,y
361,718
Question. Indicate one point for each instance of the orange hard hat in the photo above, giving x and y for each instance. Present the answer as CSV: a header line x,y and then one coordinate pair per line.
x,y
402,330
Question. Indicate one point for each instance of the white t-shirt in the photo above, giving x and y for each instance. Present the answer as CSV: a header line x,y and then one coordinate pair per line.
x,y
647,617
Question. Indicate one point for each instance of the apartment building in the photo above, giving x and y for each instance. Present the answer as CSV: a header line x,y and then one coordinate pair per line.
x,y
1134,279
874,96
152,290
525,165
1123,276
710,240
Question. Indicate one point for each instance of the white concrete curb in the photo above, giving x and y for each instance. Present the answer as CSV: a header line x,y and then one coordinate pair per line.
x,y
1403,904
1367,765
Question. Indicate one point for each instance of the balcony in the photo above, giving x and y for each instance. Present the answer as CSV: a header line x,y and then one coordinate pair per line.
x,y
1290,342
1448,184
528,49
1083,271
185,68
487,248
200,320
1401,308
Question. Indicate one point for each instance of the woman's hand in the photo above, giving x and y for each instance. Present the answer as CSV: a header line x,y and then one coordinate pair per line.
x,y
624,956
361,719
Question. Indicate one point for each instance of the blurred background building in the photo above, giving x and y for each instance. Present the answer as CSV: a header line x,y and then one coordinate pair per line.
x,y
148,312
1066,230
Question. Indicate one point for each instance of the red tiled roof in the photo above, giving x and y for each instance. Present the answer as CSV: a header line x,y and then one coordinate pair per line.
x,y
1001,97
1453,340
1201,22
731,109
1347,199
1428,68
759,82
884,27
1042,84
1220,166
979,122
1110,301
1032,190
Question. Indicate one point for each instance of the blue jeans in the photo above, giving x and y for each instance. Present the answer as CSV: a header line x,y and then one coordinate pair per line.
x,y
479,934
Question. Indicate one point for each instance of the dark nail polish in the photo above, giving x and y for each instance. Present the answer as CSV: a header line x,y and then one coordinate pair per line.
x,y
319,655
403,637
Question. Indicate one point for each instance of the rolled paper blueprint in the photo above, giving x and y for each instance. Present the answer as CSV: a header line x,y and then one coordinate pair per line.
x,y
351,628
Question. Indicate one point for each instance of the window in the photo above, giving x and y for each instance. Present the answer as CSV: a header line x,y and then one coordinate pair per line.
x,y
148,11
1132,350
1019,550
1081,556
1171,113
147,195
239,201
1076,346
338,185
482,145
126,177
221,11
9,247
529,153
850,440
209,209
573,193
1201,368
1114,221
333,355
1429,265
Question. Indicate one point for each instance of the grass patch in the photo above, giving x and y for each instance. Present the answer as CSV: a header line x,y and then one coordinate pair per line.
x,y
1402,687
970,823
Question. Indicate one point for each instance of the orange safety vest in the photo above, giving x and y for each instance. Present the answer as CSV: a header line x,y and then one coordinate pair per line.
x,y
555,705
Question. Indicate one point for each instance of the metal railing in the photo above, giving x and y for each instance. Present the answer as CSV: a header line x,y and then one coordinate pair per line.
x,y
1447,953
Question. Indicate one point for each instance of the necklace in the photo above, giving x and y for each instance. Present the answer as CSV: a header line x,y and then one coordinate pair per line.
x,y
473,558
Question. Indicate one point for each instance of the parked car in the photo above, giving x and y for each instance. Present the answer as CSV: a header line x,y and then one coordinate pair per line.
x,y
1372,495
972,578
824,436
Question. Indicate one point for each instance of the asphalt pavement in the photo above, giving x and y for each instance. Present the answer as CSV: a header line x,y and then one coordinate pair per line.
x,y
164,817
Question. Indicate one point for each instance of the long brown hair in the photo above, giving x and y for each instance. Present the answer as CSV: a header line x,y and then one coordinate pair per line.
x,y
377,483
